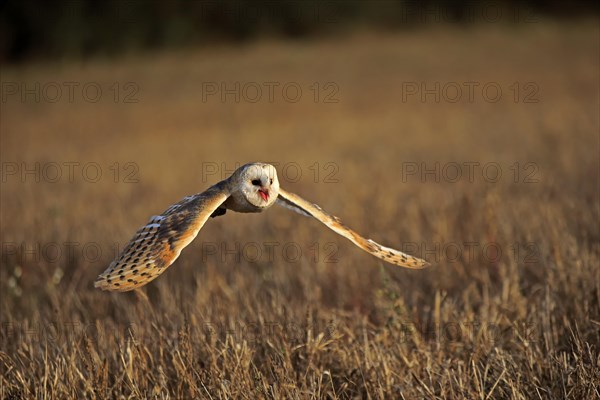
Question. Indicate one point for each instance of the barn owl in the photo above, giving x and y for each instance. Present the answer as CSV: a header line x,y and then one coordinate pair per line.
x,y
252,188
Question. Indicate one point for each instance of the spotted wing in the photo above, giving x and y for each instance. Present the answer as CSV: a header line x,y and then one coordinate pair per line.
x,y
392,256
157,245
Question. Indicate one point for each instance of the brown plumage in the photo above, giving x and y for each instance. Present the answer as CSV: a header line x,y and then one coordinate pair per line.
x,y
392,256
157,245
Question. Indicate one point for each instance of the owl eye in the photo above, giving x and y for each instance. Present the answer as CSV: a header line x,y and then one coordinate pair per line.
x,y
256,182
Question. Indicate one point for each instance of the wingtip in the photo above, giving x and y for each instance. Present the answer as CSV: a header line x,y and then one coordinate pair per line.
x,y
418,263
423,263
100,283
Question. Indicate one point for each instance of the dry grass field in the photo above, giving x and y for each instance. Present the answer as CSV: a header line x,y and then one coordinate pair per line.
x,y
497,187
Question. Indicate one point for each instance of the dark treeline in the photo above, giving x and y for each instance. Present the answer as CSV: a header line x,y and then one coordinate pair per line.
x,y
81,28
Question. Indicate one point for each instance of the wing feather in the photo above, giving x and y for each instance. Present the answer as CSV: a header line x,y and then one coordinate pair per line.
x,y
156,245
392,256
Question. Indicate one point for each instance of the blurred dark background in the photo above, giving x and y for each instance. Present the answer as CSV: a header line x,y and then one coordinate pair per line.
x,y
85,28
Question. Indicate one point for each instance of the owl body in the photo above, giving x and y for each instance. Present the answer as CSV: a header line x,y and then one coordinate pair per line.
x,y
252,188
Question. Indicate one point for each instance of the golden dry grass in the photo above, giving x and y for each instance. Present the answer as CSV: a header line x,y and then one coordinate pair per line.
x,y
520,325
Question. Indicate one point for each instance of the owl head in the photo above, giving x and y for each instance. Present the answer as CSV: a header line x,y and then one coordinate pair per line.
x,y
258,184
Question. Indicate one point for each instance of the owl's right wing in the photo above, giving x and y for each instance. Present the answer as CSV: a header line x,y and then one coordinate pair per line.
x,y
157,245
387,254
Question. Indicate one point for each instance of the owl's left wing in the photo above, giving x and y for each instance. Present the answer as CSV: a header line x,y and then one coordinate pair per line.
x,y
393,256
157,245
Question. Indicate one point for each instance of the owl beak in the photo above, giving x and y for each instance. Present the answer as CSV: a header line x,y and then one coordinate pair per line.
x,y
264,193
